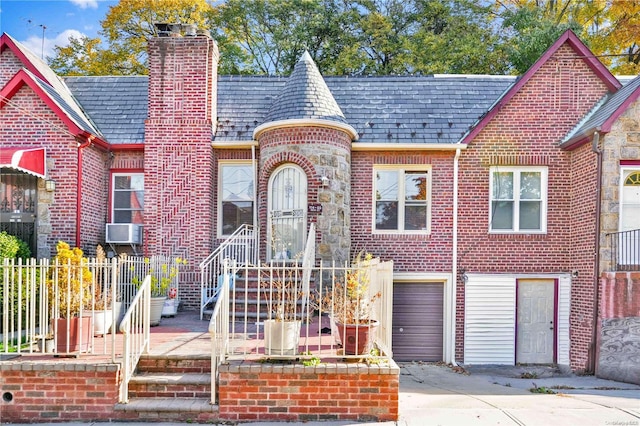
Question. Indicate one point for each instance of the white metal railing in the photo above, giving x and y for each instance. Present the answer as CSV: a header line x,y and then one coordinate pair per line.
x,y
219,329
274,292
38,294
93,293
135,330
242,246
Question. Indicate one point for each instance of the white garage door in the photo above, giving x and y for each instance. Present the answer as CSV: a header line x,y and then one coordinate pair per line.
x,y
417,321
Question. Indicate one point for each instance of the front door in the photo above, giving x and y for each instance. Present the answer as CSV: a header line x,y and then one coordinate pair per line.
x,y
287,213
536,324
18,206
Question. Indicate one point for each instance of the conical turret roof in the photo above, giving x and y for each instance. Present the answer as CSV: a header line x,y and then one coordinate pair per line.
x,y
305,96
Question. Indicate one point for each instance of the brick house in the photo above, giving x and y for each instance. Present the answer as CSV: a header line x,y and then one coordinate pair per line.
x,y
423,170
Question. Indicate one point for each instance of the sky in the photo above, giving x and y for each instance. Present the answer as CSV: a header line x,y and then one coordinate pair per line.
x,y
27,20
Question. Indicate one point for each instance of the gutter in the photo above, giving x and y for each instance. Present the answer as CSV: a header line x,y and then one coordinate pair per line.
x,y
593,350
81,146
453,291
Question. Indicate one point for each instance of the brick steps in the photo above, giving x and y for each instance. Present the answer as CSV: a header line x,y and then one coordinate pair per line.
x,y
171,388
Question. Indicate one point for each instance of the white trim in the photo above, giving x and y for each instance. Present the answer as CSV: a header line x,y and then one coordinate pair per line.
x,y
305,122
381,146
452,290
427,168
234,144
517,171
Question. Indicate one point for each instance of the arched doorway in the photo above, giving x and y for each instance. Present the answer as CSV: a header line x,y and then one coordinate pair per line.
x,y
287,201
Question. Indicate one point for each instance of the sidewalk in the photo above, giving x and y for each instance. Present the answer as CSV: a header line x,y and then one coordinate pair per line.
x,y
497,395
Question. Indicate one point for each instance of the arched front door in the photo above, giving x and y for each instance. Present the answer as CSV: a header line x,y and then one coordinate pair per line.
x,y
19,205
287,213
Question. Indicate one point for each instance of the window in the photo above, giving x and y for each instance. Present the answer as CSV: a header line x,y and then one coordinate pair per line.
x,y
518,199
402,199
128,198
236,196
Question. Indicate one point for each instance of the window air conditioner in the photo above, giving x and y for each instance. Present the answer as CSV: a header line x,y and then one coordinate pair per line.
x,y
124,233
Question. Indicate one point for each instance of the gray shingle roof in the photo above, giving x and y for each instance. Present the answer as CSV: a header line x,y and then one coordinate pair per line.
x,y
57,89
603,111
305,96
391,109
117,105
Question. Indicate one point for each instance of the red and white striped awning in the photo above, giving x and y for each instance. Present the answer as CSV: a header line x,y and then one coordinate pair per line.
x,y
30,160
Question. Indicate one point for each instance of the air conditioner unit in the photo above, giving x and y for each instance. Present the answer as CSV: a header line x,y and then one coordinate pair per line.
x,y
124,233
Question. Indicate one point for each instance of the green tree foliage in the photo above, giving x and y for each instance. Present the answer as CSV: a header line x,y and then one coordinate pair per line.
x,y
126,29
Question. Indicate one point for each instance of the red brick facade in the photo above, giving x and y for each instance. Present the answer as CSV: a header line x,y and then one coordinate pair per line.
x,y
527,131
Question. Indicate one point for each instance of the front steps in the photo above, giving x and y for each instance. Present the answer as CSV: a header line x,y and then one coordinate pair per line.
x,y
171,388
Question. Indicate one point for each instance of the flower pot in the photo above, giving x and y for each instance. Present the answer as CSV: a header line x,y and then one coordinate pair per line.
x,y
281,337
118,314
78,334
46,345
170,308
155,314
357,338
102,321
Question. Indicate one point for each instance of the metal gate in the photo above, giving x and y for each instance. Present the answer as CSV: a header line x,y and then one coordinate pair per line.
x,y
18,206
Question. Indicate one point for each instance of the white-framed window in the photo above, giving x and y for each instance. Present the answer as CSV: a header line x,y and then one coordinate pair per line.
x,y
518,200
127,198
236,198
402,199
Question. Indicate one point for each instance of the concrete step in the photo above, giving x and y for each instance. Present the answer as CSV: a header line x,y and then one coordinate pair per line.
x,y
187,410
170,385
174,364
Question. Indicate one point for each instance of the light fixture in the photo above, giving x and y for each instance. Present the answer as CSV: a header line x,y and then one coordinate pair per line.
x,y
50,185
325,181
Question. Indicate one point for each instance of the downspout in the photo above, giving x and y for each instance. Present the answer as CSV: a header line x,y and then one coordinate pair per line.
x,y
596,299
81,146
256,228
453,291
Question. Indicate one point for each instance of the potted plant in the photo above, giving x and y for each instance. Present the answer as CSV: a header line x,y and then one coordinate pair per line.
x,y
283,293
163,280
69,287
103,315
350,304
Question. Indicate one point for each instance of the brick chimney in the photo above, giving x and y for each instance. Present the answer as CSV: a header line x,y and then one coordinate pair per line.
x,y
178,160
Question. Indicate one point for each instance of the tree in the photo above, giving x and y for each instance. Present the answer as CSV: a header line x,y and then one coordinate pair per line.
x,y
126,28
269,36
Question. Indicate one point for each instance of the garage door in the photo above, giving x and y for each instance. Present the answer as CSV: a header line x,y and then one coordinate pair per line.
x,y
417,321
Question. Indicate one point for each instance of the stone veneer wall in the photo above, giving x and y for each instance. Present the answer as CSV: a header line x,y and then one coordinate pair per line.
x,y
619,349
267,392
319,152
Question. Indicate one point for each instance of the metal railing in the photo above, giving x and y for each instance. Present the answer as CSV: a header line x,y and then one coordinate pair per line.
x,y
219,329
57,306
135,330
625,250
93,294
242,246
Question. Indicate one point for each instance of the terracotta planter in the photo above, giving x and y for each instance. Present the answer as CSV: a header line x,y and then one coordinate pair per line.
x,y
78,334
356,338
281,337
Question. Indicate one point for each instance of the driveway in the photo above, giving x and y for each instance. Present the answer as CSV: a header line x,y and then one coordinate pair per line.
x,y
497,395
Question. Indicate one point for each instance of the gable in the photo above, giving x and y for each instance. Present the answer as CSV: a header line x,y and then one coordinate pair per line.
x,y
566,70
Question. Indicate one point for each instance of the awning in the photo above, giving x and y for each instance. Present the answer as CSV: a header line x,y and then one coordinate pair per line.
x,y
30,161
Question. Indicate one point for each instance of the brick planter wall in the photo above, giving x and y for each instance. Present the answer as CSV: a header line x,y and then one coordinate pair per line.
x,y
37,392
267,392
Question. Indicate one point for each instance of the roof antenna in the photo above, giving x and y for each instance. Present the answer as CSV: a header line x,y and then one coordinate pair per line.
x,y
44,27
